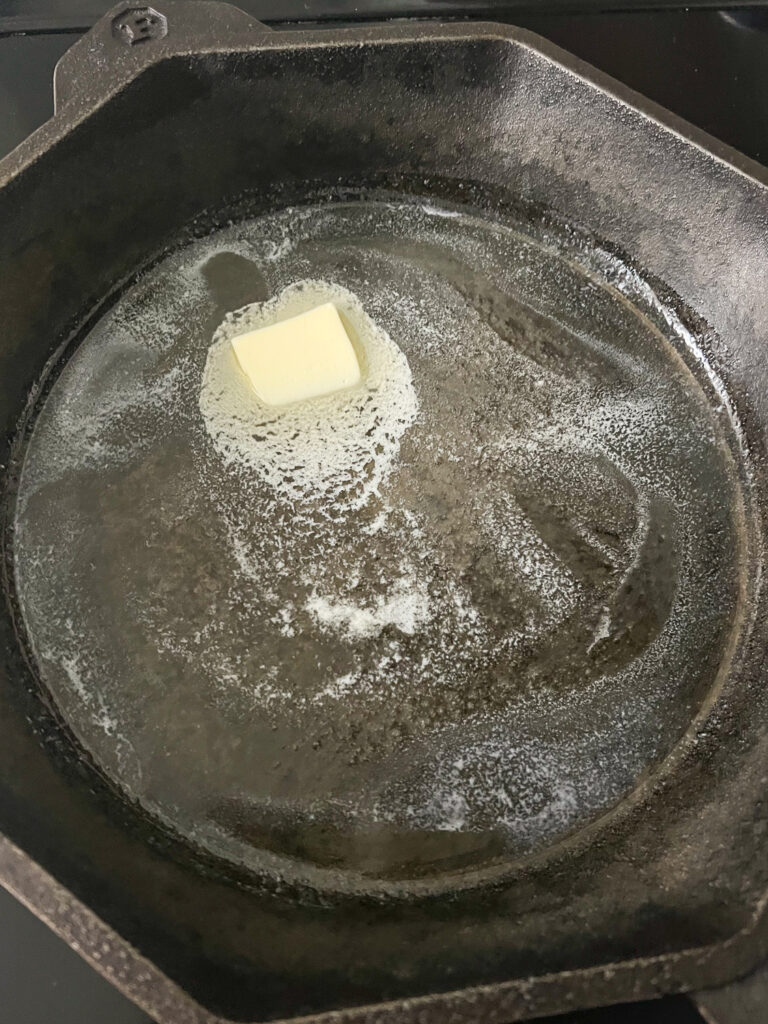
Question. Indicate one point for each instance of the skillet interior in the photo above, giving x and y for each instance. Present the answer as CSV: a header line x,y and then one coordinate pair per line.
x,y
505,610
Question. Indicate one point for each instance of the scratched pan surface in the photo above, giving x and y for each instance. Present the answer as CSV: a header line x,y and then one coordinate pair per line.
x,y
412,684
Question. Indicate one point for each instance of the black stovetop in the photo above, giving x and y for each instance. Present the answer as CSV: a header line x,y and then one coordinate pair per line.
x,y
708,65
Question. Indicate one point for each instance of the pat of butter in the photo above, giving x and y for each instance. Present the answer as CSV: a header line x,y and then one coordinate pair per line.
x,y
304,357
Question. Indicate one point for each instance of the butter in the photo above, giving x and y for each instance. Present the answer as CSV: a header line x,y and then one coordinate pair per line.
x,y
304,357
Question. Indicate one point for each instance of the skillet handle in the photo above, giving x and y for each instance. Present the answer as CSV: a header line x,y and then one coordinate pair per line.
x,y
131,37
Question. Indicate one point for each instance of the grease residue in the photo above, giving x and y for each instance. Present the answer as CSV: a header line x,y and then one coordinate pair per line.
x,y
339,447
484,593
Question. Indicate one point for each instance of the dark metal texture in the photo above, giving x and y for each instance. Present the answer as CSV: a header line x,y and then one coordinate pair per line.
x,y
66,15
706,63
219,106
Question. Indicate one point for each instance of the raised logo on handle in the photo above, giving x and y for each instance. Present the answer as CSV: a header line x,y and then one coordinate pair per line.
x,y
139,25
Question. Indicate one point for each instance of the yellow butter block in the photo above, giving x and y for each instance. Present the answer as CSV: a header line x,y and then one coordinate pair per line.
x,y
304,357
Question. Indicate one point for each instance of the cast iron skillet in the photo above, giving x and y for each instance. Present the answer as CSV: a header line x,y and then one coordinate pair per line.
x,y
169,122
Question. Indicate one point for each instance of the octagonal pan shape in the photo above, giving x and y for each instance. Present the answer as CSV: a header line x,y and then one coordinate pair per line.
x,y
168,131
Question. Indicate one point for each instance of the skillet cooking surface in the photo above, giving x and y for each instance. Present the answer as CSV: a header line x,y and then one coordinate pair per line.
x,y
472,651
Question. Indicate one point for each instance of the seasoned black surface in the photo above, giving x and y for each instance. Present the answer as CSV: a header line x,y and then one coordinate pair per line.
x,y
43,980
296,740
707,66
